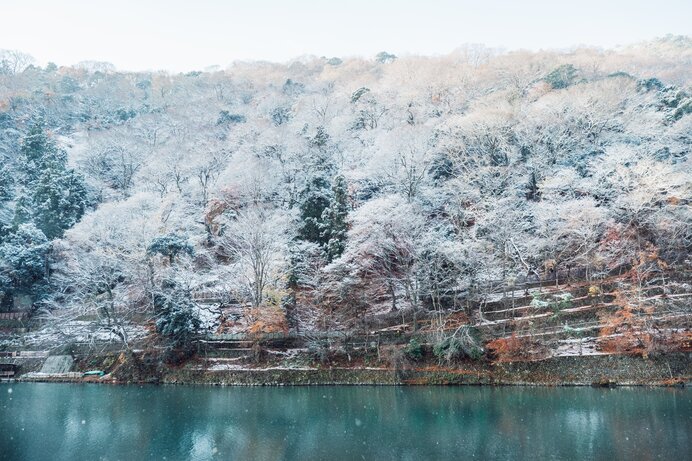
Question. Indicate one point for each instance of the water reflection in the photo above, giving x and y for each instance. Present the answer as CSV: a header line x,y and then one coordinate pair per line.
x,y
72,422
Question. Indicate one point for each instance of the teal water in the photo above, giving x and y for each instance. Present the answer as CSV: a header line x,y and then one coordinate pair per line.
x,y
92,422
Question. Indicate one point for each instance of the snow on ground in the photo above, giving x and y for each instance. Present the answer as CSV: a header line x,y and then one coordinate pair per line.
x,y
227,365
576,347
75,331
291,353
521,293
209,317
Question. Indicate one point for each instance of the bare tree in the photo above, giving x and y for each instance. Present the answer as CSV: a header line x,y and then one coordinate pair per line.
x,y
116,165
99,284
13,62
256,240
207,172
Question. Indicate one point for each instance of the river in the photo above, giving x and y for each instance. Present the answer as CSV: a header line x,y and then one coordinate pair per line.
x,y
92,422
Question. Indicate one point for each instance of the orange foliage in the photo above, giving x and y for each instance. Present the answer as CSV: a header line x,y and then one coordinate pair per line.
x,y
217,206
454,321
512,349
620,332
685,340
647,263
645,343
594,291
624,332
267,320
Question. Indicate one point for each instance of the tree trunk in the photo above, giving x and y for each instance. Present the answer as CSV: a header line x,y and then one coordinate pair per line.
x,y
393,294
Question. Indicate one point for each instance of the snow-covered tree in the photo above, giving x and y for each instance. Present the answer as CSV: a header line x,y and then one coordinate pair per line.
x,y
256,240
333,224
23,264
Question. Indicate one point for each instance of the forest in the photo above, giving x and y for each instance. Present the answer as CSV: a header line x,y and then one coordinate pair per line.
x,y
451,196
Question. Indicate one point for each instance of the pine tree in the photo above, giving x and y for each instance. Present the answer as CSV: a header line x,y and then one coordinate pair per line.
x,y
52,196
334,225
178,319
532,191
38,153
23,269
59,200
314,199
6,184
7,193
321,138
170,245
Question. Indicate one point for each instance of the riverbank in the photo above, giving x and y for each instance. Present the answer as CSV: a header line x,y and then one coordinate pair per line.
x,y
610,370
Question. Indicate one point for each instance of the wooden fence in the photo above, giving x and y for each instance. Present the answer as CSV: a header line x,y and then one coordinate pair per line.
x,y
274,336
24,354
314,336
13,315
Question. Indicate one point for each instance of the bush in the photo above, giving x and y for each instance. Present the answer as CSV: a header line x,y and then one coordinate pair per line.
x,y
563,301
414,350
515,348
226,118
456,347
178,319
506,349
267,319
556,304
319,350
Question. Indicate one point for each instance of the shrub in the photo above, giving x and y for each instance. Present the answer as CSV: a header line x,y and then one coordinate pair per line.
x,y
414,350
556,304
538,303
563,301
177,319
267,319
508,349
226,118
463,343
319,350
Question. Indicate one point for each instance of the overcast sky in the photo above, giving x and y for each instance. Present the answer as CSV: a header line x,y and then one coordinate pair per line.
x,y
184,35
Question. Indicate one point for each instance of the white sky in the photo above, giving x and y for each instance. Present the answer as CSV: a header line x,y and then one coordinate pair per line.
x,y
184,35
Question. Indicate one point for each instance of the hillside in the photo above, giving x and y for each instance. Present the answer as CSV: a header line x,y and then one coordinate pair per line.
x,y
397,212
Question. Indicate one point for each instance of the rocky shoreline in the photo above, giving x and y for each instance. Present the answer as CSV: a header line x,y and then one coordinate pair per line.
x,y
607,371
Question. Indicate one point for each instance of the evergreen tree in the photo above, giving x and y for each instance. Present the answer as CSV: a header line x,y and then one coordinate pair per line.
x,y
321,138
334,225
59,200
53,196
170,245
38,153
23,268
6,184
22,210
562,77
178,318
6,195
532,191
314,199
323,215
